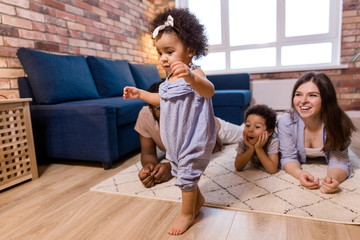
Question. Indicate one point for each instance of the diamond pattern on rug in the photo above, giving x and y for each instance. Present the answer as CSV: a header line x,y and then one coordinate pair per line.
x,y
253,190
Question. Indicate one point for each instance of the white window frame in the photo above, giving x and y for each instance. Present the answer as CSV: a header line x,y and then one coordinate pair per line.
x,y
334,36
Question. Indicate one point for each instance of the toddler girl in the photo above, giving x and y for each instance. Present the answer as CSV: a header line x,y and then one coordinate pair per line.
x,y
187,125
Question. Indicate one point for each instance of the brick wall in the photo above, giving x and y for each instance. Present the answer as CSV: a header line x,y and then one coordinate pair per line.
x,y
117,29
112,29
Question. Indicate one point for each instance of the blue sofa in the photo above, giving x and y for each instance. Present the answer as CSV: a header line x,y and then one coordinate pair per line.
x,y
78,112
232,96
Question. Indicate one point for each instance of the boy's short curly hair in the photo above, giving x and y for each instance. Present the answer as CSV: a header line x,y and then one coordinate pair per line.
x,y
264,111
187,27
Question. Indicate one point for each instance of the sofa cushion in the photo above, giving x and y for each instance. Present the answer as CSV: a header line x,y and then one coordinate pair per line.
x,y
110,76
126,110
227,98
230,81
145,75
57,78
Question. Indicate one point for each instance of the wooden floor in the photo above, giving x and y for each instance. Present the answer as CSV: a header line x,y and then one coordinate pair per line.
x,y
59,205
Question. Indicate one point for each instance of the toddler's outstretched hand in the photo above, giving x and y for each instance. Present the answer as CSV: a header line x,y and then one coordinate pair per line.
x,y
131,92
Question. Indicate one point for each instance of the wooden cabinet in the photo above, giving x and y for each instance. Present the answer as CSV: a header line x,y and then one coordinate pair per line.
x,y
17,151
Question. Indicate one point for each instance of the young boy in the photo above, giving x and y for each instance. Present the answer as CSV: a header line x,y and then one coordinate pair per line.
x,y
258,145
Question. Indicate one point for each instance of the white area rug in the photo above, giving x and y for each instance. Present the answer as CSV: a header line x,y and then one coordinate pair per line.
x,y
253,190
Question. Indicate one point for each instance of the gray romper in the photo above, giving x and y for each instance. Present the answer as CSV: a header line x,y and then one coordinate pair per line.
x,y
187,129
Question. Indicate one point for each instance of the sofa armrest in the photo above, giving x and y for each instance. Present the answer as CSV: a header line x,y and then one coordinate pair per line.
x,y
76,132
230,81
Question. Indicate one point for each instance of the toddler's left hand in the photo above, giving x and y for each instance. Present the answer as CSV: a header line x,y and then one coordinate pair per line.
x,y
181,70
329,185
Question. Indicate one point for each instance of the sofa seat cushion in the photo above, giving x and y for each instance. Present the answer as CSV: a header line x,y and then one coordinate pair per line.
x,y
57,78
145,75
228,98
126,110
110,76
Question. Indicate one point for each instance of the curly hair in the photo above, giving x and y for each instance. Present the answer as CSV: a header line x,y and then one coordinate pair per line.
x,y
187,27
264,111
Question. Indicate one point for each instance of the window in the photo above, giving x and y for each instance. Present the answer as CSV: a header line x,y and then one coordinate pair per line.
x,y
269,35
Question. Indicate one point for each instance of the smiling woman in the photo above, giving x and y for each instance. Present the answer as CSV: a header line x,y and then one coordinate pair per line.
x,y
314,128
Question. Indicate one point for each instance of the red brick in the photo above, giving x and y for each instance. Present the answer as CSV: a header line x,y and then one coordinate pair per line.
x,y
10,10
83,5
69,50
14,84
350,32
3,63
341,77
76,26
54,4
349,39
7,52
92,2
19,3
349,13
343,90
65,16
349,26
103,54
85,21
34,16
17,42
93,31
99,11
4,84
351,20
57,39
31,34
351,83
87,52
344,102
74,10
351,45
13,63
93,16
51,47
16,22
37,7
36,26
356,103
11,73
8,31
77,43
55,21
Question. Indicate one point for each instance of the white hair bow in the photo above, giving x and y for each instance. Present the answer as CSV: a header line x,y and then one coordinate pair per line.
x,y
169,23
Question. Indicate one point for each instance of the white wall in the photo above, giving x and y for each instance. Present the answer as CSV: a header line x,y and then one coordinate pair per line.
x,y
274,93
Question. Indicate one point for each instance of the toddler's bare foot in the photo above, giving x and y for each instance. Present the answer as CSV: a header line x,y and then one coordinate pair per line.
x,y
200,200
181,224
